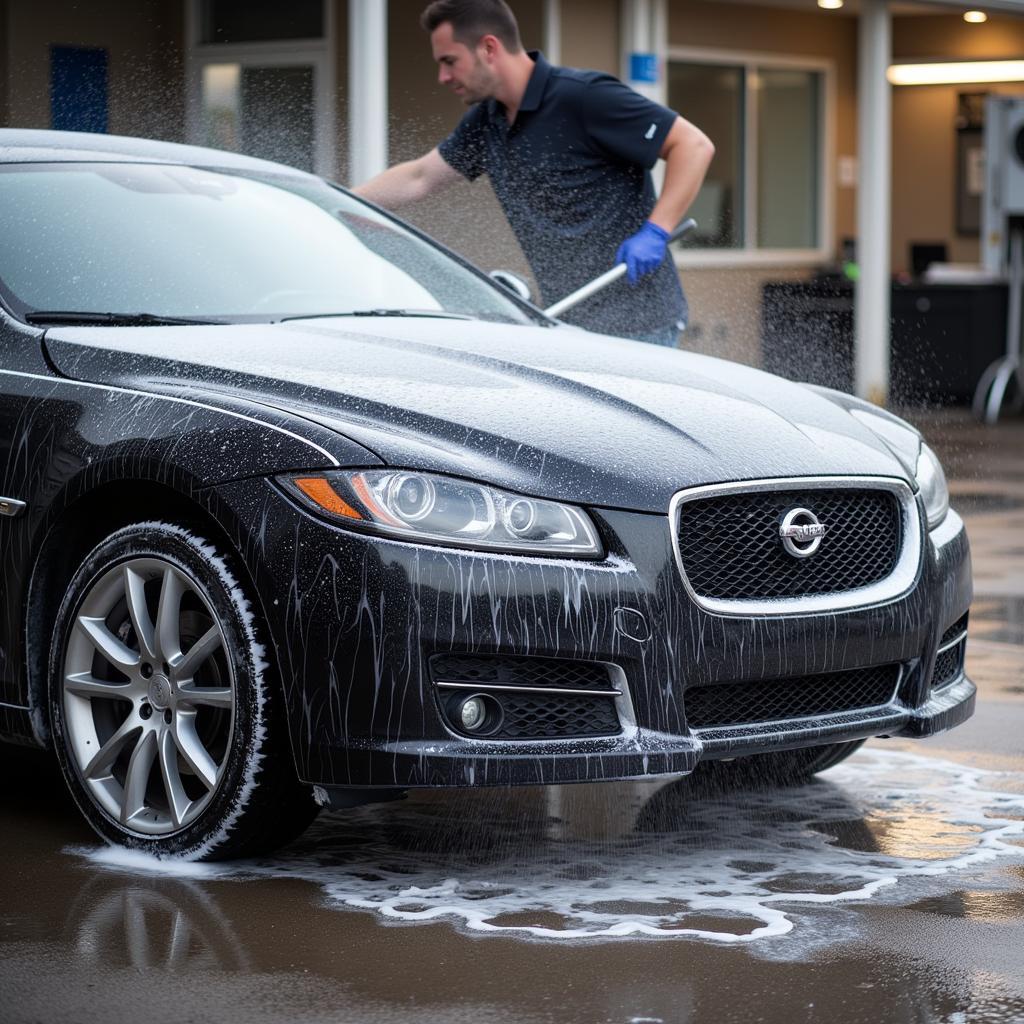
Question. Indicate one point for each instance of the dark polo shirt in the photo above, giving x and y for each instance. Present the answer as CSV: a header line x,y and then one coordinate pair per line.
x,y
573,177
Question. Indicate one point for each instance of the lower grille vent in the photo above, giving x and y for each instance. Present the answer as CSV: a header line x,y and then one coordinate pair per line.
x,y
774,700
526,690
534,716
948,665
512,671
956,630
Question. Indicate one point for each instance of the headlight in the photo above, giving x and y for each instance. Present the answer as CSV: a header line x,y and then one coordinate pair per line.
x,y
427,508
932,482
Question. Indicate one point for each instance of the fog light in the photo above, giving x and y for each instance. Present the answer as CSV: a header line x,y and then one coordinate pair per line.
x,y
473,713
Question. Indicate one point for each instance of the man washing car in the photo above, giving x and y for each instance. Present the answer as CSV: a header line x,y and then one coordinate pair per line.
x,y
569,155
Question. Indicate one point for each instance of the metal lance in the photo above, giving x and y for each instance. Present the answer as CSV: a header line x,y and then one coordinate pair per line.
x,y
607,278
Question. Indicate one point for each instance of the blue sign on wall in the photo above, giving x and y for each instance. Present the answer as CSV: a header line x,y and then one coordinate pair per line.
x,y
78,88
643,68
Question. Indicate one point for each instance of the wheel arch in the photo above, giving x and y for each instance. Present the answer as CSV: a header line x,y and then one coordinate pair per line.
x,y
76,530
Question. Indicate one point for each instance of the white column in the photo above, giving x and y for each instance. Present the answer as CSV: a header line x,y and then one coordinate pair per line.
x,y
553,31
367,89
645,36
872,329
645,33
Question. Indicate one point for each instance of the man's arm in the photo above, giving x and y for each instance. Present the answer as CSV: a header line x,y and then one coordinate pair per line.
x,y
687,153
406,183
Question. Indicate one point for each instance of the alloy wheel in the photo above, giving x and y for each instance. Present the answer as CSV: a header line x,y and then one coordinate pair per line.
x,y
149,696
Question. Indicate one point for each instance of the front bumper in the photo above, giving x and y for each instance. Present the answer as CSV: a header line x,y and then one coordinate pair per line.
x,y
355,620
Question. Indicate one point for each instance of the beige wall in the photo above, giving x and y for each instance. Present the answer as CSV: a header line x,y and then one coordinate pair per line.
x,y
725,310
590,35
924,133
941,36
145,40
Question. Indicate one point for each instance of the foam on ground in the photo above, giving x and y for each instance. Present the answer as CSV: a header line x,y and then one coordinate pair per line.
x,y
655,862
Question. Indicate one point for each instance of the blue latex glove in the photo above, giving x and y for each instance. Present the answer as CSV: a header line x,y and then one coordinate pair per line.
x,y
643,252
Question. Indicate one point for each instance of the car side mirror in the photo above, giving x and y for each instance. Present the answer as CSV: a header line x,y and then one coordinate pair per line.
x,y
515,284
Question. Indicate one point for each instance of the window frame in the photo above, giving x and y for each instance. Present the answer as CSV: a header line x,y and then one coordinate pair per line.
x,y
318,53
749,254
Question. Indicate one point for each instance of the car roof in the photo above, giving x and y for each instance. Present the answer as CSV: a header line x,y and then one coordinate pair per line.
x,y
26,145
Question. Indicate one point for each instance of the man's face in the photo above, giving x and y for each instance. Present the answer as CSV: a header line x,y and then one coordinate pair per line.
x,y
467,72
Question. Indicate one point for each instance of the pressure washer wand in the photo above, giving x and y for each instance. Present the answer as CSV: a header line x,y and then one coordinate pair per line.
x,y
607,278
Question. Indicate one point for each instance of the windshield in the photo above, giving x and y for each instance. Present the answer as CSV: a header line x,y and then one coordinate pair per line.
x,y
186,242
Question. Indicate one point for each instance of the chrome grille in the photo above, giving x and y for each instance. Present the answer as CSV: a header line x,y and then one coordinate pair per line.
x,y
771,700
730,548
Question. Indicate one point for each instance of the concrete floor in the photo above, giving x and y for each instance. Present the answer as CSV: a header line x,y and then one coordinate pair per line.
x,y
890,890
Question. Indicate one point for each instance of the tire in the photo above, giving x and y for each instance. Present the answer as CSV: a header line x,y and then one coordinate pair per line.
x,y
781,768
166,723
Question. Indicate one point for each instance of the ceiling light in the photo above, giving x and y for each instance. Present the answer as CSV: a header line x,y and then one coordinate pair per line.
x,y
957,73
975,17
830,5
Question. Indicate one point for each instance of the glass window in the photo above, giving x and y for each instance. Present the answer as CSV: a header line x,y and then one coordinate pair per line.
x,y
195,243
267,112
776,111
712,97
788,132
242,21
221,101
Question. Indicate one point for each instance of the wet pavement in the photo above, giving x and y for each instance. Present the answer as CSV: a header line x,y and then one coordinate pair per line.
x,y
891,889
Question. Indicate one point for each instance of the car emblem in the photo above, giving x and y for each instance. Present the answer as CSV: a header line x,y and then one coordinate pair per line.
x,y
801,533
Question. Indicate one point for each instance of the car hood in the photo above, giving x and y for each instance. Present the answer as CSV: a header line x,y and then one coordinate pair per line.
x,y
551,412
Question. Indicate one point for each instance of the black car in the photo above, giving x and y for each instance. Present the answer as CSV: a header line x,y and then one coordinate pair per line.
x,y
298,509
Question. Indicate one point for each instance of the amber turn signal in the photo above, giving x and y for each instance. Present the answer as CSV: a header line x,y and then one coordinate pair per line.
x,y
320,491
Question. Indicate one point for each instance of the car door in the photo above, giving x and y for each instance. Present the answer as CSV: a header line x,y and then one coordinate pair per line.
x,y
24,382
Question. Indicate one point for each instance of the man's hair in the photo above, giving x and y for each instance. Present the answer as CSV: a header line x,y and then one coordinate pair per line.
x,y
471,20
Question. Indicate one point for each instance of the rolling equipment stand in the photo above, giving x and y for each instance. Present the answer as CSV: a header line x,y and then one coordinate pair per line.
x,y
996,380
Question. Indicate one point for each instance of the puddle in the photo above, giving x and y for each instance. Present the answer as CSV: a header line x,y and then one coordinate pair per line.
x,y
661,861
975,906
911,835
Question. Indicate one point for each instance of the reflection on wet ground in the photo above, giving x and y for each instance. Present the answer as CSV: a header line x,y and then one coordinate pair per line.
x,y
976,906
170,925
679,860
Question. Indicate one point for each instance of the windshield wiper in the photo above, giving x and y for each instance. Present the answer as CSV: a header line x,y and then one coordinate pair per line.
x,y
70,316
435,313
